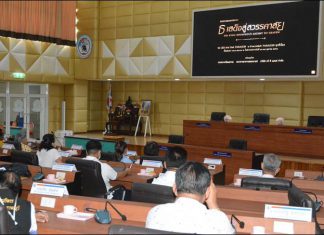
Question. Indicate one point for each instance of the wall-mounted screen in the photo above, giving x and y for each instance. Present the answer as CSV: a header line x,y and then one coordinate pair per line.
x,y
270,40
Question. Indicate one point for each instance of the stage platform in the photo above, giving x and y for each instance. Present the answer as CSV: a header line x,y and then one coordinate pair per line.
x,y
131,140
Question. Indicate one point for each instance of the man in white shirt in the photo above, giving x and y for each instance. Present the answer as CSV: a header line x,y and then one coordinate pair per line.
x,y
175,157
108,173
270,165
188,214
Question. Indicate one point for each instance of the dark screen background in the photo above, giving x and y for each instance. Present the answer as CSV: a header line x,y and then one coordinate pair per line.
x,y
300,36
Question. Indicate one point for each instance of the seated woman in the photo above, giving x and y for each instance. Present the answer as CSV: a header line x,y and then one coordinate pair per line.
x,y
47,154
121,152
22,216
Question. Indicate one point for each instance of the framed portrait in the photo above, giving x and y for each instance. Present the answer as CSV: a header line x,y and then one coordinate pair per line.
x,y
146,107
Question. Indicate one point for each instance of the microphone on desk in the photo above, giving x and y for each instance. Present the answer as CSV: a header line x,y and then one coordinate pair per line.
x,y
241,223
321,177
39,175
318,204
122,216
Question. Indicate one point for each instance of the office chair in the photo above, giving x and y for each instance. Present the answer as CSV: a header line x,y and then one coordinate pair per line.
x,y
237,144
257,160
4,224
217,116
29,158
315,121
108,156
219,178
176,139
261,118
152,193
127,229
259,183
89,180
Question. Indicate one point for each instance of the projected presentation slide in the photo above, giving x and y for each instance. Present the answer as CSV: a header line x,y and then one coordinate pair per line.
x,y
279,39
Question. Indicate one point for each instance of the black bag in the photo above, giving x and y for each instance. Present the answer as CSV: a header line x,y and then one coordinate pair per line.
x,y
20,169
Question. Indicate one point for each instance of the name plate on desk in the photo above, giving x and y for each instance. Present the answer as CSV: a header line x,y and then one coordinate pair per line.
x,y
222,154
288,212
201,124
250,172
303,131
65,153
164,148
76,147
64,167
212,161
252,128
49,189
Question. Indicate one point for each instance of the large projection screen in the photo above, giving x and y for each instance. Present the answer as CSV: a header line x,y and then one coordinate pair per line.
x,y
278,40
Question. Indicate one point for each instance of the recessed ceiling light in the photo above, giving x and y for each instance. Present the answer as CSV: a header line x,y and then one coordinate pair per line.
x,y
177,79
109,79
262,79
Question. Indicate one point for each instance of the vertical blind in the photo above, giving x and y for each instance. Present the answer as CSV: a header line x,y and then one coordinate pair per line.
x,y
49,21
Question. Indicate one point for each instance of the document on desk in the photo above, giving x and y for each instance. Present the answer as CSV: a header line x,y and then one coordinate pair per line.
x,y
288,212
283,227
8,146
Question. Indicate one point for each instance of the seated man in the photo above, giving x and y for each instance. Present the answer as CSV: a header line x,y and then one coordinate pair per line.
x,y
175,157
270,165
108,173
188,214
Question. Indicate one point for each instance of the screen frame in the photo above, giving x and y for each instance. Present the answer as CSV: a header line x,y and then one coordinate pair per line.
x,y
320,51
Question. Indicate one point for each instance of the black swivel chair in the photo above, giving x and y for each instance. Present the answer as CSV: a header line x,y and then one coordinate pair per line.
x,y
259,183
4,225
152,193
237,144
89,179
127,229
217,116
176,139
315,121
29,158
219,178
108,156
261,118
88,182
